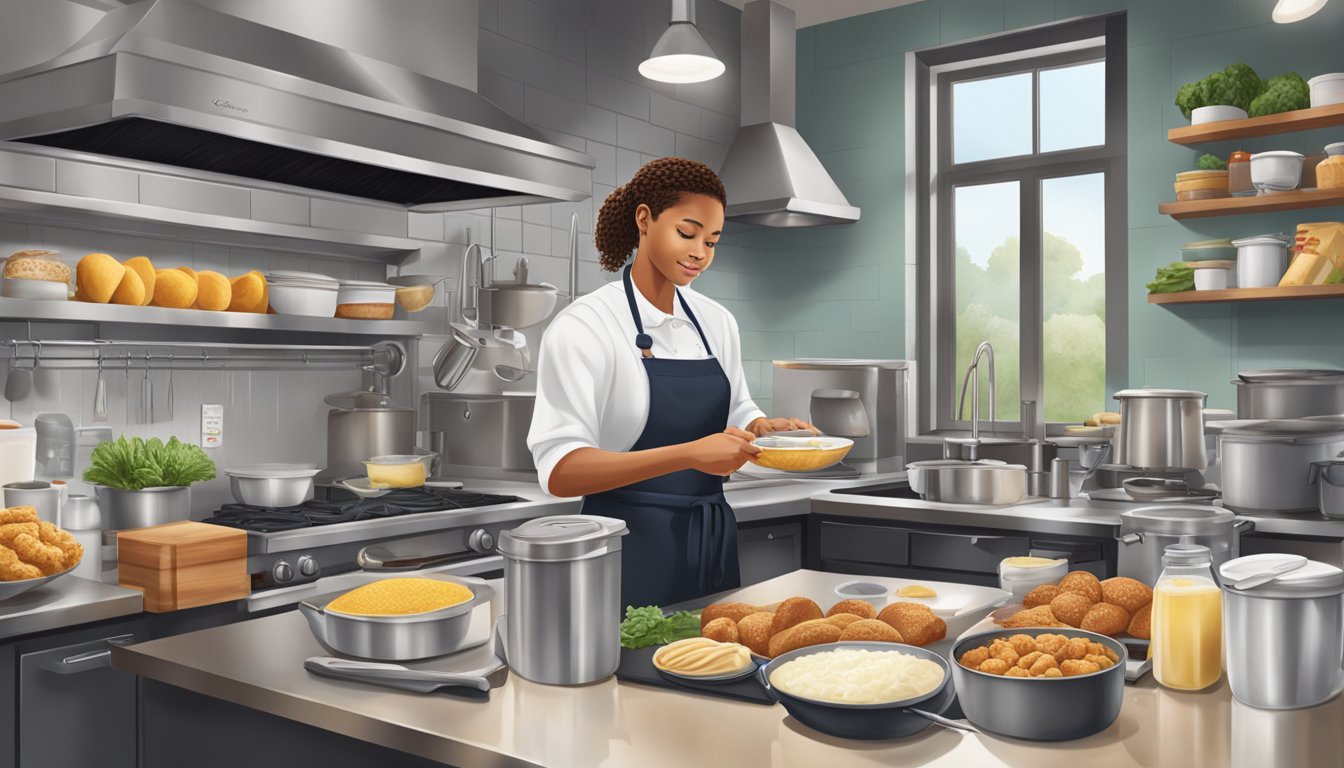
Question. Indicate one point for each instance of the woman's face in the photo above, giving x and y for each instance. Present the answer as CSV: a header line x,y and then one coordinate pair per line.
x,y
680,242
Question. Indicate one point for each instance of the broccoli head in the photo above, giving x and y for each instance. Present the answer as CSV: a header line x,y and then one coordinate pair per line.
x,y
1187,98
1211,163
1282,94
1237,86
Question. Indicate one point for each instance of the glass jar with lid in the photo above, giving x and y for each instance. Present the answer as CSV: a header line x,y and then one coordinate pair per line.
x,y
1187,621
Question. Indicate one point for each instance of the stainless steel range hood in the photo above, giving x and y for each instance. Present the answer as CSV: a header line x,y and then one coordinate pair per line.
x,y
772,176
180,83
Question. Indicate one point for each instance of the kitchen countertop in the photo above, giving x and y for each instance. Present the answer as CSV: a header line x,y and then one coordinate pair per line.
x,y
66,602
621,724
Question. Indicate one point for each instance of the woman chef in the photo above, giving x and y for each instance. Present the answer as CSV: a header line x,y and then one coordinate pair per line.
x,y
642,407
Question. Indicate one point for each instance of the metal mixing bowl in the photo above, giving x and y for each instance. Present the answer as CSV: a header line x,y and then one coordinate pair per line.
x,y
272,485
397,638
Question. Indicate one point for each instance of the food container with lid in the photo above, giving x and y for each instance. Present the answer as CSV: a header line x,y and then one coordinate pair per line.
x,y
1215,275
1209,250
1261,260
1146,532
1187,620
1276,171
1267,465
1020,575
362,300
303,293
562,577
399,471
1201,185
272,485
398,637
1327,89
1161,429
1239,174
1284,638
1289,393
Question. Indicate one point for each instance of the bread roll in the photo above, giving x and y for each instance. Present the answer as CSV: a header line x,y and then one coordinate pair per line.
x,y
734,611
97,276
803,636
249,293
174,288
794,611
861,608
871,630
722,629
131,291
36,264
915,622
213,291
753,631
145,269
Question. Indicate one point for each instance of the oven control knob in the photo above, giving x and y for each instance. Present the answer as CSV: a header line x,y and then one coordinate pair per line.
x,y
282,572
481,541
307,566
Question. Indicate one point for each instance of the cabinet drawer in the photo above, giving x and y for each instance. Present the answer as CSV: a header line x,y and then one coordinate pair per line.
x,y
975,553
863,543
74,709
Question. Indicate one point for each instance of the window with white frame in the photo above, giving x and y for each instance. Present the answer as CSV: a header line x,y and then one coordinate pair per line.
x,y
1019,145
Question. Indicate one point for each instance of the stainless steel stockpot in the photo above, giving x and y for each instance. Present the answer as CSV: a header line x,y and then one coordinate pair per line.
x,y
968,482
1267,465
562,579
1145,533
1289,393
1161,429
1284,640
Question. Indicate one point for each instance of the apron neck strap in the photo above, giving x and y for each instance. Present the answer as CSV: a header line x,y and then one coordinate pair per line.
x,y
643,340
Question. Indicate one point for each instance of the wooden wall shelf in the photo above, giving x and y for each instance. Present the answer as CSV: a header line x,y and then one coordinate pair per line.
x,y
1231,206
1284,122
1249,294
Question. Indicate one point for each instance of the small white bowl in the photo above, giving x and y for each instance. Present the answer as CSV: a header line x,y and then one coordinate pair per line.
x,y
1276,171
1214,114
23,288
872,593
1334,149
309,301
1327,89
1212,279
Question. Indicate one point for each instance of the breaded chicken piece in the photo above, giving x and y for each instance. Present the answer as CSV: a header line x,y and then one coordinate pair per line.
x,y
995,666
1074,667
1075,648
59,537
1002,649
20,514
14,569
1017,672
1100,661
9,530
1044,664
31,550
1023,644
974,657
1027,660
1053,672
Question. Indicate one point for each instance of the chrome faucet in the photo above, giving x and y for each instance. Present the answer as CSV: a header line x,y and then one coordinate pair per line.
x,y
973,378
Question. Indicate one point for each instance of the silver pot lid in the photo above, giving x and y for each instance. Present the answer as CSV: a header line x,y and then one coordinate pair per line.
x,y
1166,394
563,537
1315,579
1288,374
980,464
1177,519
1292,430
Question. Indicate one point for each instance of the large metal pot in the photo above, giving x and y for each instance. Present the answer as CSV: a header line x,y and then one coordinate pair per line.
x,y
123,510
1267,466
1284,640
1289,393
968,482
562,582
1161,429
360,428
479,430
1145,533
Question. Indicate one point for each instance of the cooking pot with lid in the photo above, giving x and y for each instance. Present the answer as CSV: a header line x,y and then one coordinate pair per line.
x,y
363,424
1146,531
1268,465
1289,393
1161,429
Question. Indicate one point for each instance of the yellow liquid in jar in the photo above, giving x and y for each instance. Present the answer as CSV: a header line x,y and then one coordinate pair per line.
x,y
1028,562
396,475
1187,642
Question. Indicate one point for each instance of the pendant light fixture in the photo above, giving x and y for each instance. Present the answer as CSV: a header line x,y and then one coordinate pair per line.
x,y
682,55
1289,11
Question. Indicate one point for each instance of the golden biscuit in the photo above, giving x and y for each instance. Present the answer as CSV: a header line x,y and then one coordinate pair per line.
x,y
734,611
915,622
722,629
1041,595
1130,594
1082,582
145,269
871,630
753,631
861,608
1070,608
802,637
793,611
1106,619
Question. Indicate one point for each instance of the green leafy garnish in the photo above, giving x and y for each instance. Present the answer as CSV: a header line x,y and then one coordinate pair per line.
x,y
1173,278
136,464
647,626
1211,163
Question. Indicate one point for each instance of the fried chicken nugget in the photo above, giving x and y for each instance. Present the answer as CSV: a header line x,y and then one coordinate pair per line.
x,y
1053,672
1002,649
801,637
1130,594
1051,644
861,608
973,658
1106,619
20,514
754,632
14,569
9,530
1042,665
1141,625
1075,648
1023,644
794,611
1040,616
734,611
31,550
915,622
1084,583
722,629
872,630
72,550
1041,595
1101,661
1074,667
1017,672
995,666
1070,608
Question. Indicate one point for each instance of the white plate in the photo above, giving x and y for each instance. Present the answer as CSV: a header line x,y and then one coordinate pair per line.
x,y
18,288
750,669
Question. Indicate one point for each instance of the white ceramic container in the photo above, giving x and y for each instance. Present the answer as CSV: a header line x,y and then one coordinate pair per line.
x,y
1261,261
1327,89
1200,115
1273,171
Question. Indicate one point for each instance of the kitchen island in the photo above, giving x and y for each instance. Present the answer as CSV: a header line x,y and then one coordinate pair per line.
x,y
240,692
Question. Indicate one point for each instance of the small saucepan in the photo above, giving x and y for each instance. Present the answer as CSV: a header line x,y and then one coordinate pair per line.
x,y
889,720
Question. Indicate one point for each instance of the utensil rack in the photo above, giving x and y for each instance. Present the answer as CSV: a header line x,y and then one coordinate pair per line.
x,y
385,358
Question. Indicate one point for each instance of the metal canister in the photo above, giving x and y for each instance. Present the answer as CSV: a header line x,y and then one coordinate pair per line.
x,y
1146,532
562,585
1284,640
80,516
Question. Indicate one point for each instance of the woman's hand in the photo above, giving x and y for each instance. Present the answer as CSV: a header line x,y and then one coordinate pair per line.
x,y
763,426
723,453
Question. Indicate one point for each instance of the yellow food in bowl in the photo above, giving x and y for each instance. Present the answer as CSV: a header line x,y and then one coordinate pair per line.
x,y
409,475
800,454
702,657
854,676
400,597
916,590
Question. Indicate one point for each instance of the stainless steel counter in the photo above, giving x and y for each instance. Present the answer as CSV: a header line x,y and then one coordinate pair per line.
x,y
259,664
66,602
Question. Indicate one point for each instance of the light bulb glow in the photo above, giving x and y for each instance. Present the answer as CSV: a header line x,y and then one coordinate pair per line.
x,y
681,68
1289,11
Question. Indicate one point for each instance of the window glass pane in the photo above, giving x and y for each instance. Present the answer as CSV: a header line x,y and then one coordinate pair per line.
x,y
1074,276
986,240
991,118
1073,107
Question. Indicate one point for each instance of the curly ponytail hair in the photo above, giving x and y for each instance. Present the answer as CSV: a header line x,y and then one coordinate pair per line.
x,y
659,184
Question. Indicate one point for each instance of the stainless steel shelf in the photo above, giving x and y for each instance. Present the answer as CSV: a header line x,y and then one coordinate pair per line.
x,y
83,312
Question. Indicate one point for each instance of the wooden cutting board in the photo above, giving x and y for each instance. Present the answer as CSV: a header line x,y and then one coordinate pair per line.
x,y
184,565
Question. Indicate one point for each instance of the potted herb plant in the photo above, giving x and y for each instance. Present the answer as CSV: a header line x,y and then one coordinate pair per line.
x,y
141,483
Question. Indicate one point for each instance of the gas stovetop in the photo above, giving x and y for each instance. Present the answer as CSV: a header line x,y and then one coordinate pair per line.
x,y
294,545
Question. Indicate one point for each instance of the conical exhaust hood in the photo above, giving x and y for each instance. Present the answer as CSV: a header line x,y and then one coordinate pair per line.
x,y
773,178
184,84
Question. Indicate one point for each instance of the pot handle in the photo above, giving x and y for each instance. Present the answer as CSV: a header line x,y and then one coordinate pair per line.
x,y
765,681
946,722
1321,470
1243,525
314,615
1130,538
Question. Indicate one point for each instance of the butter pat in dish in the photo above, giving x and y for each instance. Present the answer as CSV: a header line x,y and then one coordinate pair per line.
x,y
396,471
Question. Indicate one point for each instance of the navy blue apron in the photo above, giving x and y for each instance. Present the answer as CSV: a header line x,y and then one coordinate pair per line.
x,y
683,535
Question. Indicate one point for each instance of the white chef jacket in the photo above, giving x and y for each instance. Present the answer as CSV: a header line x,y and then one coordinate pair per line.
x,y
592,391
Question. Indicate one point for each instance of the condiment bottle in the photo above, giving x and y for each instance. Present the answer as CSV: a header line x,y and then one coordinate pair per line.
x,y
1239,174
1187,622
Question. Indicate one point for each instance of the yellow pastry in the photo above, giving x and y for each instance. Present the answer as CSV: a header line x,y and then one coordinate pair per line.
x,y
97,276
131,290
145,269
250,293
174,288
213,291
